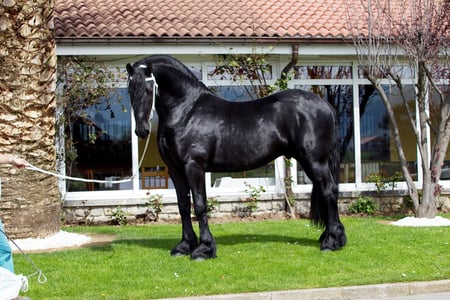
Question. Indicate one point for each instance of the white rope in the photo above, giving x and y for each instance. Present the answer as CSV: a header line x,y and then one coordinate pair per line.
x,y
41,276
61,176
37,169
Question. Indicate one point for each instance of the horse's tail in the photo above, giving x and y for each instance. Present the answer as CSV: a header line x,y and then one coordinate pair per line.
x,y
335,162
319,208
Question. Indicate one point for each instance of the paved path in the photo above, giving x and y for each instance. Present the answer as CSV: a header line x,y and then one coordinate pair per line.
x,y
430,290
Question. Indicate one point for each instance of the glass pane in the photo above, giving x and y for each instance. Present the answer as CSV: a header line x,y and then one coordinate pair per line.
x,y
378,151
235,93
153,173
258,74
404,71
196,69
102,141
341,98
435,109
322,72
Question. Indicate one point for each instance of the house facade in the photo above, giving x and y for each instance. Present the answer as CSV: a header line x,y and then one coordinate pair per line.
x,y
312,40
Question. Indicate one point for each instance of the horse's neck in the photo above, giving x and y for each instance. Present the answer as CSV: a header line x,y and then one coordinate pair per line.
x,y
177,92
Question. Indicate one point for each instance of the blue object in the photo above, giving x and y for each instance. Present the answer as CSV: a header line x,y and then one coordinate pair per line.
x,y
6,260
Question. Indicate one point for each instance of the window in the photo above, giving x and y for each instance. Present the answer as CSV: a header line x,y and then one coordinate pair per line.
x,y
102,141
434,107
322,72
341,98
378,151
333,84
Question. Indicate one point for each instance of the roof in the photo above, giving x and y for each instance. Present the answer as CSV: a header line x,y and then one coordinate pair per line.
x,y
196,19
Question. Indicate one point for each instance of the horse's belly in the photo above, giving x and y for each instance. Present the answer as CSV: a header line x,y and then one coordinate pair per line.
x,y
234,158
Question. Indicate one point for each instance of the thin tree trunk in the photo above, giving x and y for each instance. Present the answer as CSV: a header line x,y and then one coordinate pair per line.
x,y
30,205
412,191
427,207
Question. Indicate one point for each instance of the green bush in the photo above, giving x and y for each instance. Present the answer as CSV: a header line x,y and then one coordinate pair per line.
x,y
364,205
119,217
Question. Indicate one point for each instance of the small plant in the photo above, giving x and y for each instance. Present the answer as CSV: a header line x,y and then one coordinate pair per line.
x,y
119,216
394,179
254,193
382,181
364,205
155,204
212,205
379,180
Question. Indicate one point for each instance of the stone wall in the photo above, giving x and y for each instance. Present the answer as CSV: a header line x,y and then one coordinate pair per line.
x,y
101,212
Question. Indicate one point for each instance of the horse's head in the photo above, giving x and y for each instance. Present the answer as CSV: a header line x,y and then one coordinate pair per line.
x,y
140,87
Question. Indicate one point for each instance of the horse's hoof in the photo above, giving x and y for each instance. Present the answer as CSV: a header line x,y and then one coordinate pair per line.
x,y
333,240
203,252
182,249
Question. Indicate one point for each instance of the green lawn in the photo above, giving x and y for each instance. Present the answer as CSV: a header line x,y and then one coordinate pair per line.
x,y
253,256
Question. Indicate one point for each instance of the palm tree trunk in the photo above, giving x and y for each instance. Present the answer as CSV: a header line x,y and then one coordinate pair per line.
x,y
30,201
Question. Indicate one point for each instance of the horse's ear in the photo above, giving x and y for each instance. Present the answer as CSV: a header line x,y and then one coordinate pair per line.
x,y
130,69
148,70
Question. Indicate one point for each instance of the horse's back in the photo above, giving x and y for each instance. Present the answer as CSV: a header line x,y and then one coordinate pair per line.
x,y
243,135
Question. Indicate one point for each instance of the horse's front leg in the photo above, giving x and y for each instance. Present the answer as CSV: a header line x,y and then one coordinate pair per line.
x,y
189,241
207,246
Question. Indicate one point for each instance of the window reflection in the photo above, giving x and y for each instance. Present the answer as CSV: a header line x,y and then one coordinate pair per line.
x,y
378,151
341,98
235,72
435,107
322,72
404,71
102,141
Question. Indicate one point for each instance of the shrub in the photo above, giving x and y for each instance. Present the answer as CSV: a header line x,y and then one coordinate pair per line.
x,y
212,205
119,217
156,205
251,202
364,205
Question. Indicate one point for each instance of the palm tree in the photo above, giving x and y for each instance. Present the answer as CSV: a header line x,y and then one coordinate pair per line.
x,y
30,201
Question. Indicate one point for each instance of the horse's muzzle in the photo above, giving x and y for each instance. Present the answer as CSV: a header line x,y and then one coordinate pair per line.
x,y
142,133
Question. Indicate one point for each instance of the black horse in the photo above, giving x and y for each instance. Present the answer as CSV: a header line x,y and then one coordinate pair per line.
x,y
199,132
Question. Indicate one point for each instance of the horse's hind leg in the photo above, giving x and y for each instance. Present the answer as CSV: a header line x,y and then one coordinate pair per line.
x,y
189,240
324,208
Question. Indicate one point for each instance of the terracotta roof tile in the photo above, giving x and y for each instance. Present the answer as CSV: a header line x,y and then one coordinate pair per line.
x,y
201,18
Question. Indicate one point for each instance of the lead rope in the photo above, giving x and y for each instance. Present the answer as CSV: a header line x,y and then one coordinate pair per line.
x,y
41,276
155,88
34,168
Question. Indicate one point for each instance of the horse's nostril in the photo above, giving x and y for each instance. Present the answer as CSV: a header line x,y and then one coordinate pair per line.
x,y
143,133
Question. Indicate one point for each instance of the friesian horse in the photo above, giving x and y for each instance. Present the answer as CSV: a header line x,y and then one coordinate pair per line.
x,y
200,132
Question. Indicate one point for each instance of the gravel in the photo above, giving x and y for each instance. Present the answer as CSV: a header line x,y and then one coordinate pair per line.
x,y
62,239
422,222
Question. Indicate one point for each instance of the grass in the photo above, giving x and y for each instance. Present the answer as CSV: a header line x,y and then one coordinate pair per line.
x,y
254,256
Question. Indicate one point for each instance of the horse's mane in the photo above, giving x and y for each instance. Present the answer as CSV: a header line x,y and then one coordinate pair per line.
x,y
161,59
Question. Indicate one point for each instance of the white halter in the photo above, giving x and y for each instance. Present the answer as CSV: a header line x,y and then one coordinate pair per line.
x,y
155,88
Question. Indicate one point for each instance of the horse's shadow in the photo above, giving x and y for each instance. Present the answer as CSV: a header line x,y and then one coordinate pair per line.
x,y
163,243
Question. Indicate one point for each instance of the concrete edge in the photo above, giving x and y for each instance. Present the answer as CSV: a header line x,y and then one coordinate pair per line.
x,y
340,293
